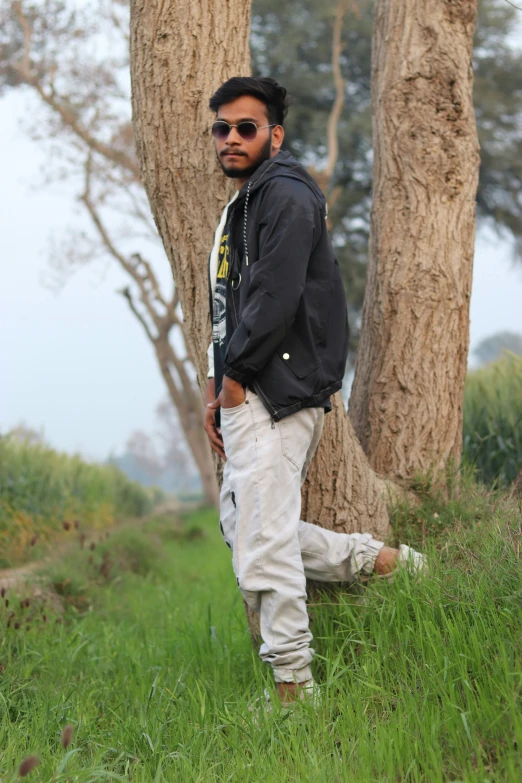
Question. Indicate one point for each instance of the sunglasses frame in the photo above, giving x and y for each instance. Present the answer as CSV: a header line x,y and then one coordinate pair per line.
x,y
231,125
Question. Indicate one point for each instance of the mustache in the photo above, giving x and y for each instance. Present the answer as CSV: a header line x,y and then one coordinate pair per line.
x,y
233,152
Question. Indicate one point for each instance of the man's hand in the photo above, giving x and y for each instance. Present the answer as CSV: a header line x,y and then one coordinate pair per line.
x,y
231,395
214,434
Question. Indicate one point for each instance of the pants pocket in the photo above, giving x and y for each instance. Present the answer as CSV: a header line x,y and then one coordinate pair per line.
x,y
227,411
296,433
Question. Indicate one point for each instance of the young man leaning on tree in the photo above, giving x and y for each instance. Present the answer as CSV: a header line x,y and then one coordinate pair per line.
x,y
278,353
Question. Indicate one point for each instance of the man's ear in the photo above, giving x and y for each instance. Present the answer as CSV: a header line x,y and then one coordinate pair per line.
x,y
278,135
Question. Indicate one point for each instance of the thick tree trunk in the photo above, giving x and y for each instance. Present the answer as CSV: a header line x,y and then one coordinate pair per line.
x,y
407,398
341,492
181,52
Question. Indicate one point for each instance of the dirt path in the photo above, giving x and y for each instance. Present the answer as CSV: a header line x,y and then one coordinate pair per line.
x,y
16,577
24,581
12,578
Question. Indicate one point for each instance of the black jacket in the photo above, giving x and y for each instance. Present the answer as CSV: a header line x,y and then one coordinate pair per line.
x,y
287,325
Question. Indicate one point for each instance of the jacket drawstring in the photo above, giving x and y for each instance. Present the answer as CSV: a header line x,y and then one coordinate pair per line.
x,y
245,208
245,222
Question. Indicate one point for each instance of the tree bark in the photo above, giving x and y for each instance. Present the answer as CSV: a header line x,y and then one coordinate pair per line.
x,y
181,51
173,77
109,170
407,397
341,491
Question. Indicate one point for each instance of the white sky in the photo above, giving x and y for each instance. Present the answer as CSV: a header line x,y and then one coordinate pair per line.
x,y
76,363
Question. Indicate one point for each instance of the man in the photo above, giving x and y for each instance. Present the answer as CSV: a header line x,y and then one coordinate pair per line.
x,y
278,353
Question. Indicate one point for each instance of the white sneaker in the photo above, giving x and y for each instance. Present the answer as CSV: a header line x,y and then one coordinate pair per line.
x,y
414,562
309,693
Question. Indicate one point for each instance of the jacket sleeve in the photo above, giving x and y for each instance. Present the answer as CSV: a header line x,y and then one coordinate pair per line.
x,y
288,221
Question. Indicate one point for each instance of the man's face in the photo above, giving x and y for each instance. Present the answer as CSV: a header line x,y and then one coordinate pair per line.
x,y
240,158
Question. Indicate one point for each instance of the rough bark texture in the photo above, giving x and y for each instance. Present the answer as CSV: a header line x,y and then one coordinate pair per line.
x,y
180,53
173,76
341,492
406,404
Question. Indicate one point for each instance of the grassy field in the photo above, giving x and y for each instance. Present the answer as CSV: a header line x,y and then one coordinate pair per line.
x,y
492,437
41,489
152,665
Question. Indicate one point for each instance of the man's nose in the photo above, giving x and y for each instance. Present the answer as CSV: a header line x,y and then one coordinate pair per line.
x,y
234,137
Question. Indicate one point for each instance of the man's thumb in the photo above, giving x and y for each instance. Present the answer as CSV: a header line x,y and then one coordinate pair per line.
x,y
214,404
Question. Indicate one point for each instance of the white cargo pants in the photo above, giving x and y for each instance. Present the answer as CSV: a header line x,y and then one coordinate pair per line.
x,y
274,551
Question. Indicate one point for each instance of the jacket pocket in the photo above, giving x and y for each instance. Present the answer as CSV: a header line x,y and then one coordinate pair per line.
x,y
293,352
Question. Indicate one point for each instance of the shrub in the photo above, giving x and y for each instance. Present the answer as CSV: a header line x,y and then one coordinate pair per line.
x,y
43,491
492,435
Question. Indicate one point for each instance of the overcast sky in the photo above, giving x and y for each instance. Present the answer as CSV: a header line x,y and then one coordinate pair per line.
x,y
75,363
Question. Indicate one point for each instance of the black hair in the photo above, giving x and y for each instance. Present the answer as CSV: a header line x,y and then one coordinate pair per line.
x,y
265,89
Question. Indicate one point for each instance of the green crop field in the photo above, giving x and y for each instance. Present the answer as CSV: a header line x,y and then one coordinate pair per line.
x,y
493,420
41,489
148,658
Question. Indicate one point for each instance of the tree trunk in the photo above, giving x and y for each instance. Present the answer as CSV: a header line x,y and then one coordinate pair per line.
x,y
173,77
407,397
189,406
341,491
181,51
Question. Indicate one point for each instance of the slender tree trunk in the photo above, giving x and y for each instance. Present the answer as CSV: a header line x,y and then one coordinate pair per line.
x,y
407,397
173,77
189,406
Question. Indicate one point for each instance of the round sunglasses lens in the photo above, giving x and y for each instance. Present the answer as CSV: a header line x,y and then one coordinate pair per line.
x,y
220,130
247,130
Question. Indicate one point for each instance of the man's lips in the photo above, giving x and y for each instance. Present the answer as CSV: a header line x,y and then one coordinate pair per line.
x,y
233,154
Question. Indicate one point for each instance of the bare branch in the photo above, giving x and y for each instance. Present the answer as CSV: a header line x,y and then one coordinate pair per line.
x,y
151,278
95,216
335,114
126,292
142,215
27,32
355,9
130,266
59,105
190,390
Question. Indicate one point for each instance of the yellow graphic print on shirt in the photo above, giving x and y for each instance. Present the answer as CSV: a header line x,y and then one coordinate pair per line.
x,y
223,257
219,320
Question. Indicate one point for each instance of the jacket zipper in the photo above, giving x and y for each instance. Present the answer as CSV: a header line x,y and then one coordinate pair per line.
x,y
260,392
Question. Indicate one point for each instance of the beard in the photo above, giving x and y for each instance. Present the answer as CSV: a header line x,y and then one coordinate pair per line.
x,y
264,154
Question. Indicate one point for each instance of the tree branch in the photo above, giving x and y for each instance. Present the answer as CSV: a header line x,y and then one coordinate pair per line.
x,y
150,277
126,292
67,115
335,114
128,266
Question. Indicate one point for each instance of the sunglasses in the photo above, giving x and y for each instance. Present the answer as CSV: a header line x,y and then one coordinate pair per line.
x,y
247,130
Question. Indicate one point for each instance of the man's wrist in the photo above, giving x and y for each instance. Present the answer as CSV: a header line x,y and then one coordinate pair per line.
x,y
231,383
235,375
211,390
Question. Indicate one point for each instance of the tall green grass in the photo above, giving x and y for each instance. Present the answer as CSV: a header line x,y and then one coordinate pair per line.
x,y
41,488
421,680
492,433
